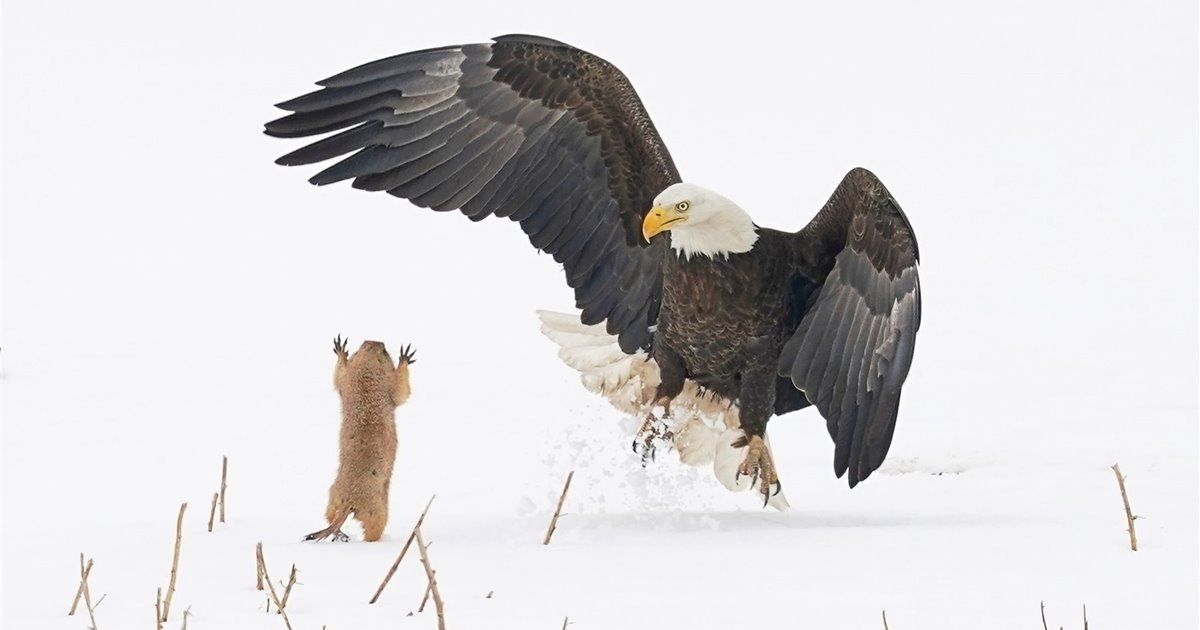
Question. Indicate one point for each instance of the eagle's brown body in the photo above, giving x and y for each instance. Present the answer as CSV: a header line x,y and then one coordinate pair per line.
x,y
557,140
724,321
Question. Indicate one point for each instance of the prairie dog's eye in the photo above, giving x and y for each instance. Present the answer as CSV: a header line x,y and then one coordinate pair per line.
x,y
683,206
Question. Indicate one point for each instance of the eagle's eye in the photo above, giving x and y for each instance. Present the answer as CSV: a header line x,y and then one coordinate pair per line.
x,y
683,206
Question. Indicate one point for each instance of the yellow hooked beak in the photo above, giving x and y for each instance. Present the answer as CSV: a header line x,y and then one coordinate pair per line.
x,y
659,219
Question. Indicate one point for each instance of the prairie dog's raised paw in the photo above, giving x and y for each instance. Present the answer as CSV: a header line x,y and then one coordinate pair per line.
x,y
339,346
408,355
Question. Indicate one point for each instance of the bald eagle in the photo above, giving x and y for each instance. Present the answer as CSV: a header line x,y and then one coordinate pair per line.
x,y
705,308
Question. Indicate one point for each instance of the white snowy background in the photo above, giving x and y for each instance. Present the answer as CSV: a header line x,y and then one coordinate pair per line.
x,y
170,296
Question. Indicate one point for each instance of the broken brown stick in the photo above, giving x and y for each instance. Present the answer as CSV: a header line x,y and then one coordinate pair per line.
x,y
212,512
885,625
166,609
258,585
429,573
1129,517
224,470
258,559
83,575
558,510
425,597
87,593
262,567
158,610
403,550
287,590
187,612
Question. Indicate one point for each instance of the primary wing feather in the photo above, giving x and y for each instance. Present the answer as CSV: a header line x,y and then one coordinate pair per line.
x,y
852,350
524,127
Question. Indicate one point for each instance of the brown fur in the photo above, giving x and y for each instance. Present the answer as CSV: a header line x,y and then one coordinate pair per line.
x,y
371,388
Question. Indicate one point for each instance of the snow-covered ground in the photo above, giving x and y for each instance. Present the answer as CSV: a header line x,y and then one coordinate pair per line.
x,y
170,296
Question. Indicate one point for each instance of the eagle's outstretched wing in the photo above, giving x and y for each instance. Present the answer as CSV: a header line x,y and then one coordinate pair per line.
x,y
852,350
525,127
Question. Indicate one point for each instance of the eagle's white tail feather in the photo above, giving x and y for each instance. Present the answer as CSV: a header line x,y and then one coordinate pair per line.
x,y
590,357
728,458
706,426
696,442
572,339
627,381
567,322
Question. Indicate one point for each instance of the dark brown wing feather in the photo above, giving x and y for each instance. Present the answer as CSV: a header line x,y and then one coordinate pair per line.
x,y
853,348
527,128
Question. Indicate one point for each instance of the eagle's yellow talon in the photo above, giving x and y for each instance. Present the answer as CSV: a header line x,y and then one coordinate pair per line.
x,y
760,467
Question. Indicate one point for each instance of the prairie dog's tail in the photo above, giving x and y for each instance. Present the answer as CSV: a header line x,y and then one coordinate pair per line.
x,y
705,426
336,516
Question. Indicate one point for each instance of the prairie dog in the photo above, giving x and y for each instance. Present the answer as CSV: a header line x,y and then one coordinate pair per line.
x,y
370,388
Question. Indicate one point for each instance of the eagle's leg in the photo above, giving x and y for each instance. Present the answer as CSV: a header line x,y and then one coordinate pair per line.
x,y
756,402
672,374
653,430
759,466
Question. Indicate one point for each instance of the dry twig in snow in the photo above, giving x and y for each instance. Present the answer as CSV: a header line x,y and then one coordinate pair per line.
x,y
212,512
83,575
166,609
258,566
425,597
558,510
429,573
224,470
262,568
84,571
1129,517
287,590
403,550
158,618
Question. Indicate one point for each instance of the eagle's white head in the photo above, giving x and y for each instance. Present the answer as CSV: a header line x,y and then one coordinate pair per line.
x,y
702,223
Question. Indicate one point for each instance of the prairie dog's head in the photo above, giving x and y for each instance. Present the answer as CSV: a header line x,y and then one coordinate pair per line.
x,y
372,351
